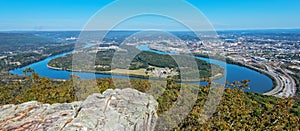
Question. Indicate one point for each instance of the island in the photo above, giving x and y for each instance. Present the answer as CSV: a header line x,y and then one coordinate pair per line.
x,y
144,65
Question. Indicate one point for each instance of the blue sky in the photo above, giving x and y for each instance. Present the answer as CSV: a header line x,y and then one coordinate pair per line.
x,y
74,14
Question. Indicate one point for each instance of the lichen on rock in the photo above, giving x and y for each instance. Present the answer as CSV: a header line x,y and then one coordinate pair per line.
x,y
125,109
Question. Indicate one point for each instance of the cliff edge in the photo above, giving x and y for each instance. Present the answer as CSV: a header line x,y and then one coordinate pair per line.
x,y
125,109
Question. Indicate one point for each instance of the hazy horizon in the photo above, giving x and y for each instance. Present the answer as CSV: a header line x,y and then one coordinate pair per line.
x,y
258,29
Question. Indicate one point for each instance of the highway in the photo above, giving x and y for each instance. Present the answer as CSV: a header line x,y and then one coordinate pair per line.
x,y
289,89
286,86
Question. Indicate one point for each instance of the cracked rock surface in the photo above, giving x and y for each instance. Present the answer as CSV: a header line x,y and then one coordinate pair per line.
x,y
126,109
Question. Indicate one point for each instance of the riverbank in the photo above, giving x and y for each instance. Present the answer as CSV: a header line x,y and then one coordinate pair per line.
x,y
259,83
283,84
134,74
229,61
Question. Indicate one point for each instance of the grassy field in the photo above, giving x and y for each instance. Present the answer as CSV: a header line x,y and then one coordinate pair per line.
x,y
139,72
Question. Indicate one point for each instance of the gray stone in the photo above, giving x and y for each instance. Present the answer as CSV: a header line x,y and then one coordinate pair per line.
x,y
126,109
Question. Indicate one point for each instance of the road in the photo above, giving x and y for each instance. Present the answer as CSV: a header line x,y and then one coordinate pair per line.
x,y
289,86
286,86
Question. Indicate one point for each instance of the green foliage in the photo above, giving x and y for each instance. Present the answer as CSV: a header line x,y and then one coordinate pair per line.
x,y
245,111
143,60
237,110
24,48
24,41
34,88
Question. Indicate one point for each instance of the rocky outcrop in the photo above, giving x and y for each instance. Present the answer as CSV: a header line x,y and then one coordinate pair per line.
x,y
125,109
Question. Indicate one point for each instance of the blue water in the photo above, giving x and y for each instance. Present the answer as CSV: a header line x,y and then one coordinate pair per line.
x,y
259,83
42,69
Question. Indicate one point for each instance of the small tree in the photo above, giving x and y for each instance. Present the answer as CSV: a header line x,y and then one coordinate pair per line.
x,y
27,70
241,85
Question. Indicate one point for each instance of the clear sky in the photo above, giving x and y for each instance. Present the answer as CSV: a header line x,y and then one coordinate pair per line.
x,y
74,14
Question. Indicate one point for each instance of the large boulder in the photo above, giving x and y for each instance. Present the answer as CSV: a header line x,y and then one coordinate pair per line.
x,y
126,109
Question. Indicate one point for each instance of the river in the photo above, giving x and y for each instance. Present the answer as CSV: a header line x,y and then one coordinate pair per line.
x,y
259,83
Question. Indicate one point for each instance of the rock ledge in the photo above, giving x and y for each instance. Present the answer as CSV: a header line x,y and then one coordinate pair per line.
x,y
126,109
